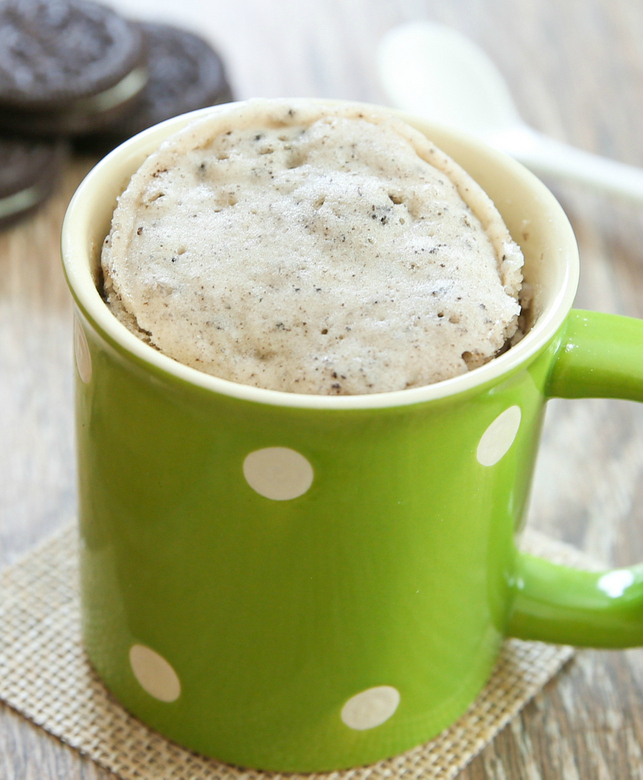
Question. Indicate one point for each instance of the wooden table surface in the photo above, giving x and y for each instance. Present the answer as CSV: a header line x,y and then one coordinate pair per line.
x,y
576,71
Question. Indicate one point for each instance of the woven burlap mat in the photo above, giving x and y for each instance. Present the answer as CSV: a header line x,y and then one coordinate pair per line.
x,y
45,675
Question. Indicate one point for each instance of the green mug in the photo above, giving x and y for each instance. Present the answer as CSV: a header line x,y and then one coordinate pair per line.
x,y
308,583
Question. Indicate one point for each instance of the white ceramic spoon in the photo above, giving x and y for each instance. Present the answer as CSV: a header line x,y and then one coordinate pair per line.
x,y
435,72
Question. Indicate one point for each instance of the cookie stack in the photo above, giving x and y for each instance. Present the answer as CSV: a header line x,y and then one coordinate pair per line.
x,y
74,70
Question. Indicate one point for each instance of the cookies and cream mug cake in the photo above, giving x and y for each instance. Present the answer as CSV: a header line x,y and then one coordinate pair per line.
x,y
312,249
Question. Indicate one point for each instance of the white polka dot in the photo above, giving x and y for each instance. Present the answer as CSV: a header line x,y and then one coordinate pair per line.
x,y
499,436
616,582
371,707
154,673
278,473
81,352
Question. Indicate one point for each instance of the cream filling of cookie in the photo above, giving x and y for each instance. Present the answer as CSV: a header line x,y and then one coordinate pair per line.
x,y
21,201
127,88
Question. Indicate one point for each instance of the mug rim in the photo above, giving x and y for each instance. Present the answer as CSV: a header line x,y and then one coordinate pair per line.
x,y
77,263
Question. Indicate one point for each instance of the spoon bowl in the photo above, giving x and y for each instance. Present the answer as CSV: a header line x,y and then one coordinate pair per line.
x,y
437,73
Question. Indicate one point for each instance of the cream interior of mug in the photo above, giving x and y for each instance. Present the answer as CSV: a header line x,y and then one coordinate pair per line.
x,y
533,216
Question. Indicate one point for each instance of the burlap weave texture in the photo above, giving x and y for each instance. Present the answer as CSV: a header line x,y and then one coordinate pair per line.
x,y
45,675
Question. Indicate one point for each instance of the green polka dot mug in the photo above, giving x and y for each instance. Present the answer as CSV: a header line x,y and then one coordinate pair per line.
x,y
308,583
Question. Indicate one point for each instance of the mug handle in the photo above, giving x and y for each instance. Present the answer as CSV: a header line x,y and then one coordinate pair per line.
x,y
599,356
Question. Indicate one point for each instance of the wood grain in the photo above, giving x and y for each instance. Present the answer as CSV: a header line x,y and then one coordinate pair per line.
x,y
576,71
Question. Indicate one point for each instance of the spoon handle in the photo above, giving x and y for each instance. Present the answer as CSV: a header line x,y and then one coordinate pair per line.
x,y
547,156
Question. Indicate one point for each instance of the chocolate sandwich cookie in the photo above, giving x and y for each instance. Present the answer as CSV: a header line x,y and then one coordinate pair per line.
x,y
185,73
29,170
66,66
